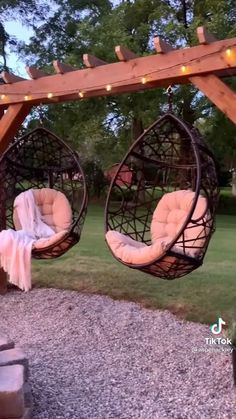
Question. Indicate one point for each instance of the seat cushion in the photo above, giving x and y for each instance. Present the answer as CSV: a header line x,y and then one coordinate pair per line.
x,y
168,219
134,252
42,243
54,208
170,215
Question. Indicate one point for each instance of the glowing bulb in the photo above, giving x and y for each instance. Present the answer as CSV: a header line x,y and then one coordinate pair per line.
x,y
81,94
143,80
50,95
3,96
228,52
183,69
27,97
108,87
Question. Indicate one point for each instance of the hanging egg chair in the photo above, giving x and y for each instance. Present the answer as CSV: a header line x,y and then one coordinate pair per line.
x,y
44,163
162,221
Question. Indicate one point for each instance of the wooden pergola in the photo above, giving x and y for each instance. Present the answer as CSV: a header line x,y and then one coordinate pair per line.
x,y
204,66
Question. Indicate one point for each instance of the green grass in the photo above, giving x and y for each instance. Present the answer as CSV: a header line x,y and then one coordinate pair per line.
x,y
204,295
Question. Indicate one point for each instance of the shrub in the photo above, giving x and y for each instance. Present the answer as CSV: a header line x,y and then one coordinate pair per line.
x,y
227,205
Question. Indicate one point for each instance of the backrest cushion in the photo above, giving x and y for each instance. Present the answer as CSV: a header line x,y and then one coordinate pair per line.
x,y
171,213
54,208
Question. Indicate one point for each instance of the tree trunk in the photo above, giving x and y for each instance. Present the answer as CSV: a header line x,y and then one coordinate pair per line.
x,y
234,182
137,130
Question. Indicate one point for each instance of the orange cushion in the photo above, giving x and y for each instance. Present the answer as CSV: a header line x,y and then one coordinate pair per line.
x,y
134,252
168,219
170,215
54,208
42,243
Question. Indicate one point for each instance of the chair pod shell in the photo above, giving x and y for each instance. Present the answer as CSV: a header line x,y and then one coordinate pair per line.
x,y
38,160
169,156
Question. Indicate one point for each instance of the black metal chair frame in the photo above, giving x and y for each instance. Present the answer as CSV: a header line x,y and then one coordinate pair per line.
x,y
41,159
179,159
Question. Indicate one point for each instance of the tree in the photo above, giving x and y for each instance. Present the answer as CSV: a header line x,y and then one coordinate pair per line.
x,y
99,125
29,12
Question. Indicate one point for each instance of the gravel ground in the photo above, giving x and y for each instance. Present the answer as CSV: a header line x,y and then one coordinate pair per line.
x,y
95,358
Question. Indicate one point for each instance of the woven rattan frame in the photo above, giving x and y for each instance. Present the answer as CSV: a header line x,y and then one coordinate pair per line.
x,y
38,160
170,155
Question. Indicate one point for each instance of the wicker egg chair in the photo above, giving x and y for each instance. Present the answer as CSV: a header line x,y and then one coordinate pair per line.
x,y
162,221
43,162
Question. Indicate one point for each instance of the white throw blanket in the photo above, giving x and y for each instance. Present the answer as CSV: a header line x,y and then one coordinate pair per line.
x,y
16,246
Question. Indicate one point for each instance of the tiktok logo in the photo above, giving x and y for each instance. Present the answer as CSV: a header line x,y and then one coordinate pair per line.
x,y
216,328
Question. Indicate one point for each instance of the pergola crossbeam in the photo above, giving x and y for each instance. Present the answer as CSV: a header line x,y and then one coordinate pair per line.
x,y
62,68
35,73
161,46
124,54
205,37
91,61
174,67
10,78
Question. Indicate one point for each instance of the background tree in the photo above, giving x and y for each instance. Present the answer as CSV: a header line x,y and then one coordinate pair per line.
x,y
103,128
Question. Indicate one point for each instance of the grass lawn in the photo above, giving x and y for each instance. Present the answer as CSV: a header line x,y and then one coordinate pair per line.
x,y
202,296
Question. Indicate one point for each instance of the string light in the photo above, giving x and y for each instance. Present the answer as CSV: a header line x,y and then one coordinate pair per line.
x,y
27,97
184,69
228,52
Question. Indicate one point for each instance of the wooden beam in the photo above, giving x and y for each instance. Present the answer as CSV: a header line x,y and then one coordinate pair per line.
x,y
10,78
35,73
124,54
218,93
204,37
11,122
62,68
3,282
173,68
161,46
91,61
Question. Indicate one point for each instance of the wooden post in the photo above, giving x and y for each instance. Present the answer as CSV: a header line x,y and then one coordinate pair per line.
x,y
10,122
3,276
218,93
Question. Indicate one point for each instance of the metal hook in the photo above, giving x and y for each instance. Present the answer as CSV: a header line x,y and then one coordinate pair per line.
x,y
169,92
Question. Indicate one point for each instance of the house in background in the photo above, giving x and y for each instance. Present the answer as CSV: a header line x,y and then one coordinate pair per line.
x,y
125,176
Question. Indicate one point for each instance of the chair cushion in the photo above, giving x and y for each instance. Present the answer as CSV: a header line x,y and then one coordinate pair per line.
x,y
134,252
168,219
42,243
170,215
54,208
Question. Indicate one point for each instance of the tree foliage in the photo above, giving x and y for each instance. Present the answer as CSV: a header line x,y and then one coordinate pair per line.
x,y
102,129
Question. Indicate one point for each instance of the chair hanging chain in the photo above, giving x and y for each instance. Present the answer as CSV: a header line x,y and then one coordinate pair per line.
x,y
40,114
169,92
